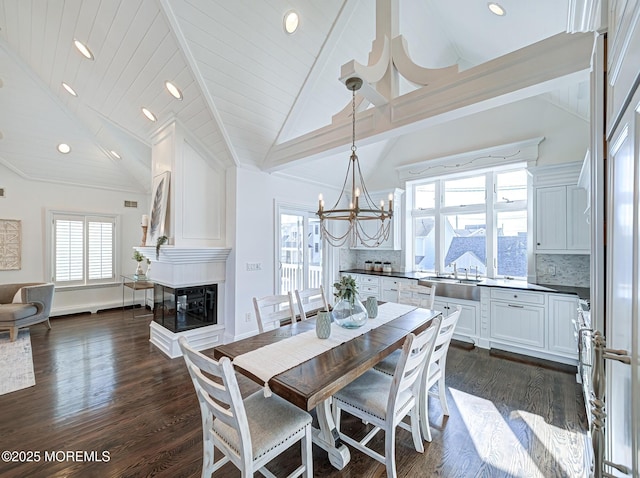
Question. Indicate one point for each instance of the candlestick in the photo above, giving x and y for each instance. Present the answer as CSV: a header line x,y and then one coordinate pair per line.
x,y
144,235
145,220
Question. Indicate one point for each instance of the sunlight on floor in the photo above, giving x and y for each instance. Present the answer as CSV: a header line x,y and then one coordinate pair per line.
x,y
545,432
495,442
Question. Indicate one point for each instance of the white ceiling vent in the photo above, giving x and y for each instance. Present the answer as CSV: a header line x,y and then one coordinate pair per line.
x,y
131,204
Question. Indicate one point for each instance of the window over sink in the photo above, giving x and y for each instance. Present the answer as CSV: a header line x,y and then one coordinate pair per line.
x,y
476,222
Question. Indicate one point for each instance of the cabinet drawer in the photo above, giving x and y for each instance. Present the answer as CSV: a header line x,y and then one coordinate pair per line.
x,y
366,290
512,295
392,284
368,280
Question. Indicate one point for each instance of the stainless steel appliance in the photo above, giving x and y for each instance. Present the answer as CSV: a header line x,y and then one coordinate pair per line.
x,y
584,333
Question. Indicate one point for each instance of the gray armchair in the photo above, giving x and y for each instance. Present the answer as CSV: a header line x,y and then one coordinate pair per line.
x,y
34,308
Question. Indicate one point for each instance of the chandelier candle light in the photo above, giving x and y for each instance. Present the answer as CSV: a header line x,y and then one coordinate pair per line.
x,y
355,215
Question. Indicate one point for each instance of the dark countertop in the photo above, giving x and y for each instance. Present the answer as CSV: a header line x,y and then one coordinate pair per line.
x,y
396,274
581,292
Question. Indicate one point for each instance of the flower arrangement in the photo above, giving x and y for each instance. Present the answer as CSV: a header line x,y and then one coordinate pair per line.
x,y
346,288
137,256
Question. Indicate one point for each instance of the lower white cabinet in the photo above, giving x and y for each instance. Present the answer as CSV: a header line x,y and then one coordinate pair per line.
x,y
467,328
534,323
518,323
390,287
563,311
368,286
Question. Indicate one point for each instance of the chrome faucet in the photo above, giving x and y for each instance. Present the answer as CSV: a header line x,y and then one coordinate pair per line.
x,y
455,271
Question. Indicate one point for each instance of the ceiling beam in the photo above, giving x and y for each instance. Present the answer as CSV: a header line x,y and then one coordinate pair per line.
x,y
527,72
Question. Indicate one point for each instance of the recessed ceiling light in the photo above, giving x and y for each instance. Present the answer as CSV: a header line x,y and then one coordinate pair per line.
x,y
149,114
64,148
70,90
82,48
115,155
291,22
174,90
496,9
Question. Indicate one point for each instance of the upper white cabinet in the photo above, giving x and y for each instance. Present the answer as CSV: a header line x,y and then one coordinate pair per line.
x,y
394,242
551,220
560,220
561,226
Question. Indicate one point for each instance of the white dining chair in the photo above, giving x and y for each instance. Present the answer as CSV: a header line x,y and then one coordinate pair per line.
x,y
434,371
250,432
310,300
383,400
416,294
274,310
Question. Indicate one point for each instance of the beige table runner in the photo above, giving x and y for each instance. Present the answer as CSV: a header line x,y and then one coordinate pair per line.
x,y
270,360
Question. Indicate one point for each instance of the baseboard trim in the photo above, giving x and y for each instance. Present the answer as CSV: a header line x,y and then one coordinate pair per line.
x,y
538,362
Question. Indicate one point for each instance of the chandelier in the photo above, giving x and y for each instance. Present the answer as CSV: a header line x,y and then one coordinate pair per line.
x,y
367,223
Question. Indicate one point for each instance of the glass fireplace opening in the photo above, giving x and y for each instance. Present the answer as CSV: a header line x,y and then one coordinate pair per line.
x,y
185,308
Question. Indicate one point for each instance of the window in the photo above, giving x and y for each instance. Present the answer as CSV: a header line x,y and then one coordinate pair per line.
x,y
83,249
477,223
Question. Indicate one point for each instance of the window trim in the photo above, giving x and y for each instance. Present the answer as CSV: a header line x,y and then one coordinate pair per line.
x,y
490,208
51,216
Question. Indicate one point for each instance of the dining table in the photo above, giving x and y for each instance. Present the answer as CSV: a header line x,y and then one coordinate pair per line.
x,y
311,383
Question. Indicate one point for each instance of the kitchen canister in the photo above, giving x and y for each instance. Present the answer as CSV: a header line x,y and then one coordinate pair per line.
x,y
377,266
371,305
368,265
323,324
386,267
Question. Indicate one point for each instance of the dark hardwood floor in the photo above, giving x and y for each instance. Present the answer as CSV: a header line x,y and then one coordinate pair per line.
x,y
102,387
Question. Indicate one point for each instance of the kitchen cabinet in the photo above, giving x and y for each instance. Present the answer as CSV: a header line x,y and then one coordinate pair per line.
x,y
467,328
518,318
394,242
532,323
368,286
561,225
563,311
390,287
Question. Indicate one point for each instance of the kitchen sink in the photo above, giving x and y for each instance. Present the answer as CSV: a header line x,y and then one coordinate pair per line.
x,y
455,288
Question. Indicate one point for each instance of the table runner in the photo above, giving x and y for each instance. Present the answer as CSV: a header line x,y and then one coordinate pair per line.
x,y
270,360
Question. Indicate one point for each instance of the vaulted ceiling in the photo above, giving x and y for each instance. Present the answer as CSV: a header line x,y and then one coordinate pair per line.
x,y
247,85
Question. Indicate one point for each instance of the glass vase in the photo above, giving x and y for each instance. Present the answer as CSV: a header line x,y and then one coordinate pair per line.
x,y
349,313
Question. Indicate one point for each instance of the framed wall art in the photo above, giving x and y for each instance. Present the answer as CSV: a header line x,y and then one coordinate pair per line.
x,y
10,245
158,213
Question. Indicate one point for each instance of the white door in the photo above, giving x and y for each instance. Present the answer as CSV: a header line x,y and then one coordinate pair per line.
x,y
622,296
299,250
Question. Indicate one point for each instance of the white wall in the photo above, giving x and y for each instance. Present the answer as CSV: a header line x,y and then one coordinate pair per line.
x,y
28,201
566,137
255,220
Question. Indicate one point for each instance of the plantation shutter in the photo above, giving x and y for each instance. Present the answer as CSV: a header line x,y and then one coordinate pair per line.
x,y
83,249
69,249
100,247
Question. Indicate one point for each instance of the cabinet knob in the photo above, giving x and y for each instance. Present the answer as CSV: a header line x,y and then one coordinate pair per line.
x,y
538,243
515,296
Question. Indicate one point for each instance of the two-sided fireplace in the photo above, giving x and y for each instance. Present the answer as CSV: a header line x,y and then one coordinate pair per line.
x,y
185,308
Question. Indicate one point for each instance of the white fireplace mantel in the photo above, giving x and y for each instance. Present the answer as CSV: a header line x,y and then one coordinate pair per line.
x,y
186,267
185,255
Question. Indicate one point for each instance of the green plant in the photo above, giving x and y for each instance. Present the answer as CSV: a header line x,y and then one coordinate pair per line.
x,y
137,256
346,288
161,240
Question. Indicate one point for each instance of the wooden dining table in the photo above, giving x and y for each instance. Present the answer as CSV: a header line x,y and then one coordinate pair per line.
x,y
310,384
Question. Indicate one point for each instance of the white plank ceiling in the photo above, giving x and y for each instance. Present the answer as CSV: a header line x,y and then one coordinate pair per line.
x,y
247,85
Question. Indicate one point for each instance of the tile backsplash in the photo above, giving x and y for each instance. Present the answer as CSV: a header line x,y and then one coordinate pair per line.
x,y
563,269
354,259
